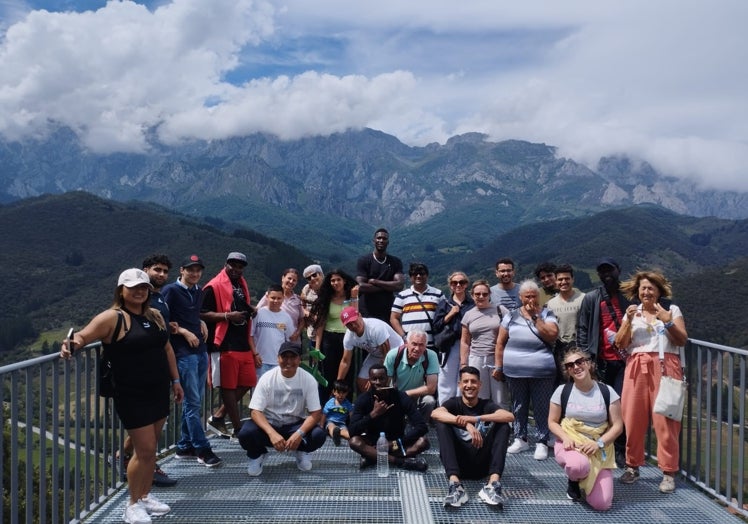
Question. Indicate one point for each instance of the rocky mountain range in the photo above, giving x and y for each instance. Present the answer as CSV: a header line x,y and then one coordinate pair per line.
x,y
453,196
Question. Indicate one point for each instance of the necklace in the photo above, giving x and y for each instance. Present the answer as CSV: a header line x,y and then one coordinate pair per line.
x,y
374,254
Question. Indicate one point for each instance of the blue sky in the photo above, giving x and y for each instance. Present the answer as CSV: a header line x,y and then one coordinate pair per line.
x,y
660,81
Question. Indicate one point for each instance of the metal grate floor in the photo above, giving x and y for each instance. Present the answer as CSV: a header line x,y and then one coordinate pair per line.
x,y
335,491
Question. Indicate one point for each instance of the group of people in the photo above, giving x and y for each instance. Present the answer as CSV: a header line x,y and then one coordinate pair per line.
x,y
471,362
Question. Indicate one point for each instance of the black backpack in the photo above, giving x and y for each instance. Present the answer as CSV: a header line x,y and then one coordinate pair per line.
x,y
399,358
566,393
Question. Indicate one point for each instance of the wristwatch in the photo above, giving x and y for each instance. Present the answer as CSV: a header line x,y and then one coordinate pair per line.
x,y
600,443
534,318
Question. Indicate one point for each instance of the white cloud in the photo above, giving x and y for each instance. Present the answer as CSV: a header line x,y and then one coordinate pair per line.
x,y
664,81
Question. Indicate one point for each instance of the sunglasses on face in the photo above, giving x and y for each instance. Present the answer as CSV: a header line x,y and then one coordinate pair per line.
x,y
479,294
313,275
577,362
458,283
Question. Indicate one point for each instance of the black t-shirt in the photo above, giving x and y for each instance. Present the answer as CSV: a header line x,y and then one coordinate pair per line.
x,y
236,338
378,304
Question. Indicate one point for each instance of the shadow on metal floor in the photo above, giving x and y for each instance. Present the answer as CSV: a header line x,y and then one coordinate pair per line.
x,y
335,491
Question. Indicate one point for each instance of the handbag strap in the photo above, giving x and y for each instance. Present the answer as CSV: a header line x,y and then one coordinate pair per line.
x,y
661,338
423,306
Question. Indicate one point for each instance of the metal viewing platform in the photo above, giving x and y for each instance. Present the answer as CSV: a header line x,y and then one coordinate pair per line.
x,y
60,439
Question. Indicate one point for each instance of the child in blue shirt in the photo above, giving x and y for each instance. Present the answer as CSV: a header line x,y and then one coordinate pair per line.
x,y
336,412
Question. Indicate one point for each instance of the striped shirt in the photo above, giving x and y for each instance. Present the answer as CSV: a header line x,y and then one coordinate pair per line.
x,y
415,313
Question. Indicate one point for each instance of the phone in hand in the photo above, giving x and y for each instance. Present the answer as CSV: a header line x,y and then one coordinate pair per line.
x,y
69,338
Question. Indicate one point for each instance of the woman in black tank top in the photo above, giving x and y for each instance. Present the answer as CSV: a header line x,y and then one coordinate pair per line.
x,y
144,368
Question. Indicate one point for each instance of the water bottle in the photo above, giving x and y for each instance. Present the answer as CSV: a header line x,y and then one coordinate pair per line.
x,y
383,464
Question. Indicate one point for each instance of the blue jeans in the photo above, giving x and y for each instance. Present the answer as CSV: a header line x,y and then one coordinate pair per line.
x,y
193,371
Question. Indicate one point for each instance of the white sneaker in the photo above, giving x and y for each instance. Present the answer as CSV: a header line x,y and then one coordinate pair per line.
x,y
254,467
518,446
541,451
154,506
136,514
303,461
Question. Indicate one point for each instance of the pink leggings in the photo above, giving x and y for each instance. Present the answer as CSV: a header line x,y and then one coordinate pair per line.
x,y
577,466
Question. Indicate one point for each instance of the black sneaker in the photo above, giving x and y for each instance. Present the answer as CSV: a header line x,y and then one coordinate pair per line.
x,y
209,459
186,454
414,464
161,479
336,436
218,426
573,492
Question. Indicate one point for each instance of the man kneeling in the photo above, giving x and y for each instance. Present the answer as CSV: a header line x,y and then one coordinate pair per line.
x,y
285,413
383,409
473,437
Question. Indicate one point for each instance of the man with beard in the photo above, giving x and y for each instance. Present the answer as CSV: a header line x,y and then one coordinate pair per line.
x,y
600,317
383,409
226,310
506,292
545,272
473,437
565,305
379,276
414,308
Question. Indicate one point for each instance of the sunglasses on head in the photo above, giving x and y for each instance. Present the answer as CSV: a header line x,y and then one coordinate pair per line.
x,y
577,362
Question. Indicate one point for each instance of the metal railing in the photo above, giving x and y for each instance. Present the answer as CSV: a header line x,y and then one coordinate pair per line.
x,y
714,437
62,443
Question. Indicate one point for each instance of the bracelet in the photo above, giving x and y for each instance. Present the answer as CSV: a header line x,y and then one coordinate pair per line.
x,y
668,325
225,315
477,421
499,368
301,433
175,381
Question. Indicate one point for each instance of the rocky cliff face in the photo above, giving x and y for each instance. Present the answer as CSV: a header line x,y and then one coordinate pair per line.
x,y
364,176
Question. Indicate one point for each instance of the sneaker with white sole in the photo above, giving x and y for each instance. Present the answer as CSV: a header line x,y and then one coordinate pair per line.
x,y
209,459
217,425
491,494
668,484
518,446
154,506
136,514
630,475
254,466
456,496
303,461
541,451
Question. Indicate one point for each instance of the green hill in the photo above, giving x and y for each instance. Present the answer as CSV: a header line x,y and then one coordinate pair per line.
x,y
62,255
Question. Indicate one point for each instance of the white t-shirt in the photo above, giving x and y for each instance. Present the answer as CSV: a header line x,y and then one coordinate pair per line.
x,y
374,335
285,400
270,329
587,407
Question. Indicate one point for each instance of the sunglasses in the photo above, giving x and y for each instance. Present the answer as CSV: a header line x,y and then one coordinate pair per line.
x,y
478,294
313,275
578,362
458,283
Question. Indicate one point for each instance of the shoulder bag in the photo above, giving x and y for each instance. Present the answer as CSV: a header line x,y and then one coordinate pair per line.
x,y
672,393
